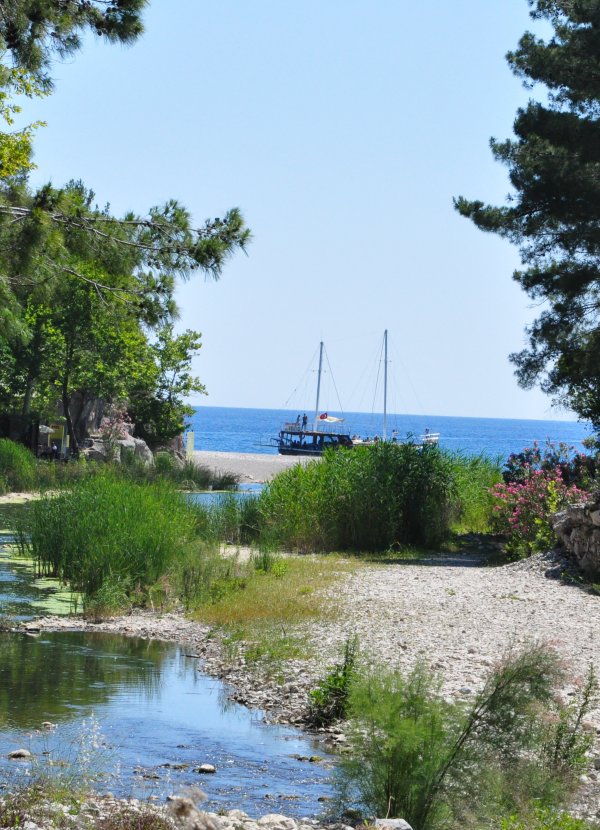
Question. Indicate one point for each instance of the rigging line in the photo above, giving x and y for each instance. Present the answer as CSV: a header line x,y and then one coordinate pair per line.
x,y
410,383
302,379
333,381
395,400
377,378
362,384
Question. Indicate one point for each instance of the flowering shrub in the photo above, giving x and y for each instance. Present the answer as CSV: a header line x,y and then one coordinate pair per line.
x,y
113,428
523,509
576,467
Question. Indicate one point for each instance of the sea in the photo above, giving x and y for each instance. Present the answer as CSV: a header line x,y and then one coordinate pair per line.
x,y
228,429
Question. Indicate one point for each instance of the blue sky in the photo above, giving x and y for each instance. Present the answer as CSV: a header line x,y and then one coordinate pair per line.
x,y
342,129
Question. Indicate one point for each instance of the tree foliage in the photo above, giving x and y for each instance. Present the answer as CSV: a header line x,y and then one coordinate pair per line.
x,y
86,297
553,214
35,32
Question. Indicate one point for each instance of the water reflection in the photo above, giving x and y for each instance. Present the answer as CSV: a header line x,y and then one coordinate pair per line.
x,y
159,718
50,678
216,497
22,595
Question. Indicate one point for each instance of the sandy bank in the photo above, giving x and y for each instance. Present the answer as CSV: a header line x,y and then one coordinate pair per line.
x,y
250,467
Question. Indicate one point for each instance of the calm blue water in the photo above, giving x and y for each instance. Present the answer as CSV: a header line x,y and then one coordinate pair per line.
x,y
157,718
249,430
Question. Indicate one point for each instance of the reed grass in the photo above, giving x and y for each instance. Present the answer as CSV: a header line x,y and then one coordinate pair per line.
x,y
377,498
108,530
21,471
185,476
17,467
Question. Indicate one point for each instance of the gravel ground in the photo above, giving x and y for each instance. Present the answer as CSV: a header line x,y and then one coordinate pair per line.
x,y
458,615
455,613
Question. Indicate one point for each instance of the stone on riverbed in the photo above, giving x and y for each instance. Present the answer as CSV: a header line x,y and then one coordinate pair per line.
x,y
277,822
392,824
186,814
19,754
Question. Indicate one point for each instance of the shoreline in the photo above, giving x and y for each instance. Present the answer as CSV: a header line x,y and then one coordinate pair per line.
x,y
251,467
451,613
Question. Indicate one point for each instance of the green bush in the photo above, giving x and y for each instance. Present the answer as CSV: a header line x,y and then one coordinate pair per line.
x,y
205,576
474,477
376,498
108,530
328,701
17,466
53,476
544,819
186,476
438,764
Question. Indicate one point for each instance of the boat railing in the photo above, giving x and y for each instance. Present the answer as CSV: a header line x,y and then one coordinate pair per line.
x,y
316,426
292,426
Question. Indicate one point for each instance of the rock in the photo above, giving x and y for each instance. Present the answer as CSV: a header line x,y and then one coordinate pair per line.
x,y
95,449
276,820
392,824
578,528
205,769
19,754
185,813
138,447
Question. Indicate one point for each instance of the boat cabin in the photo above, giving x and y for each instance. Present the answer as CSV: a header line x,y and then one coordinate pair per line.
x,y
294,440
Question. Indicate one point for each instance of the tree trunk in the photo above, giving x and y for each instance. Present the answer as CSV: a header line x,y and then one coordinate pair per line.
x,y
74,445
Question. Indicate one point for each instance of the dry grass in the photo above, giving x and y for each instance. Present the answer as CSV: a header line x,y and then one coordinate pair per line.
x,y
291,597
264,615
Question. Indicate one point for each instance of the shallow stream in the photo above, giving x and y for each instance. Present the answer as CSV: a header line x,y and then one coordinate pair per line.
x,y
137,716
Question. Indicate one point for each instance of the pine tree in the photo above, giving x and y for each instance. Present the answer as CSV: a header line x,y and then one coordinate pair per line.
x,y
554,212
36,31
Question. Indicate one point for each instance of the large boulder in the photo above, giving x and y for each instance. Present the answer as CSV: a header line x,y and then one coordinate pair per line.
x,y
96,449
138,447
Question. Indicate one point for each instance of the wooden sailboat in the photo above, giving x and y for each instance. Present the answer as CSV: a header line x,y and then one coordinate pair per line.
x,y
326,431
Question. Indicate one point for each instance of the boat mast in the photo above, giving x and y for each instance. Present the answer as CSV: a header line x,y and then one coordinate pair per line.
x,y
385,366
319,382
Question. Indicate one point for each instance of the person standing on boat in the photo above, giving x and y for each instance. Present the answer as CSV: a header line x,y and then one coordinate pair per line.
x,y
304,421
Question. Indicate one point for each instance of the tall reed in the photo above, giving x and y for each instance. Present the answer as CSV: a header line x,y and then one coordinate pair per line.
x,y
110,529
17,467
373,498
